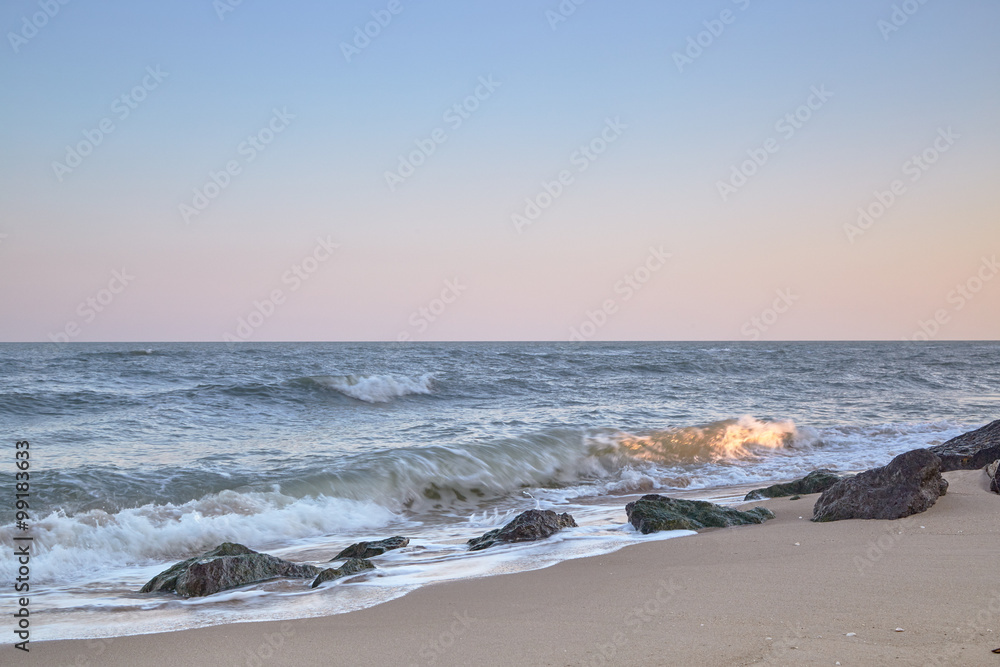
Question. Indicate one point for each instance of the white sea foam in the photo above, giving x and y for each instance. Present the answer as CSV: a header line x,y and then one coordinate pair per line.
x,y
434,559
68,548
376,388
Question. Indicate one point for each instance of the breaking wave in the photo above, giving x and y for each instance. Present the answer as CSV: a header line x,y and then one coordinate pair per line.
x,y
373,388
66,546
365,491
730,439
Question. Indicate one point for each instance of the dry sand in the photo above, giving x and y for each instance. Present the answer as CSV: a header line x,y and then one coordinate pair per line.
x,y
788,592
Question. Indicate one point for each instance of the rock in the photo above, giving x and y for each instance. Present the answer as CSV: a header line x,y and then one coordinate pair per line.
x,y
371,549
994,476
991,469
972,450
352,566
526,527
909,484
166,581
228,565
654,512
814,482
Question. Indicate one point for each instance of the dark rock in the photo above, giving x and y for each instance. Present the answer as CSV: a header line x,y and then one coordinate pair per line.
x,y
972,450
909,484
654,512
814,482
371,549
166,581
352,566
526,527
229,565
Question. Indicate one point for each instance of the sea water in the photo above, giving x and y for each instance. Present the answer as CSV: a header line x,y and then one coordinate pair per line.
x,y
145,454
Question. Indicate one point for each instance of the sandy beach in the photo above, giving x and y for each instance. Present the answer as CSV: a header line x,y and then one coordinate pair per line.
x,y
788,592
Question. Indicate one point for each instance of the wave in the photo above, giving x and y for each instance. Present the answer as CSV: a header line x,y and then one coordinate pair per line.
x,y
418,478
370,490
591,461
731,439
372,388
366,388
64,546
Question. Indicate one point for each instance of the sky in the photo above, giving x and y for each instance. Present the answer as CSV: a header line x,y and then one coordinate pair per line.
x,y
579,170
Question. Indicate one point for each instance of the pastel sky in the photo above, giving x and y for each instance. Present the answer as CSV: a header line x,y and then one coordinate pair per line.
x,y
199,170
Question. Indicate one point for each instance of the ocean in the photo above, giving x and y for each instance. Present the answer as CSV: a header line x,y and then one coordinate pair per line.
x,y
146,454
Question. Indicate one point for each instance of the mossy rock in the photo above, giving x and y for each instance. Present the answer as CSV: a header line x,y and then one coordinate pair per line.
x,y
653,513
815,482
228,565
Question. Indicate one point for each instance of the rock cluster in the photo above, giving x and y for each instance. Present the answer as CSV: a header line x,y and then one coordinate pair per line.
x,y
912,481
231,565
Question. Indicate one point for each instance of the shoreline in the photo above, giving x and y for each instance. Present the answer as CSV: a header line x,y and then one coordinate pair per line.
x,y
784,592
